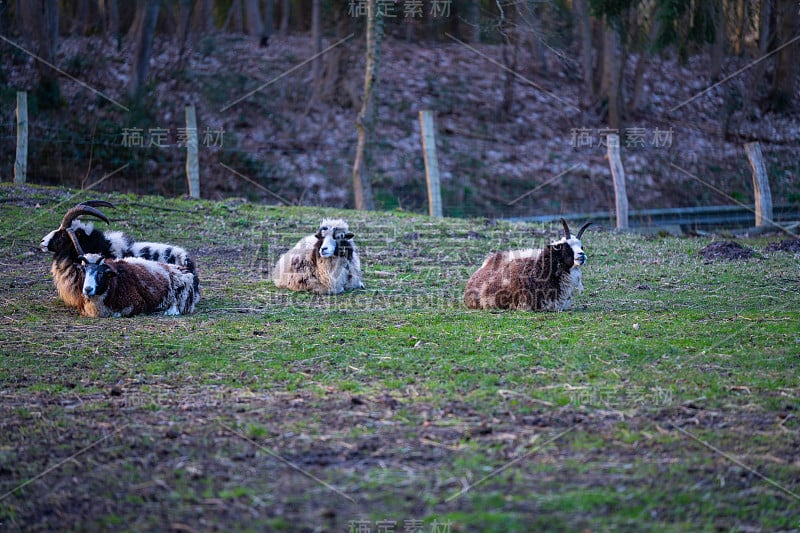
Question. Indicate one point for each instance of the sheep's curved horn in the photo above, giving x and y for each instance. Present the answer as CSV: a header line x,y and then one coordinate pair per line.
x,y
75,241
566,229
97,203
84,209
580,231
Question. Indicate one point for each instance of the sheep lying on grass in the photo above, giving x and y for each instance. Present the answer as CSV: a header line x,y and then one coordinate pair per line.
x,y
67,269
132,286
325,263
533,279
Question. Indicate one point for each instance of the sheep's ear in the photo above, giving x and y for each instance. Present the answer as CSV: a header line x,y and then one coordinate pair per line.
x,y
318,234
82,260
349,235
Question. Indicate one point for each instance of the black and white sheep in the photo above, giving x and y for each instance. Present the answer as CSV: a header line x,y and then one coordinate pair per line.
x,y
325,263
132,286
533,279
66,268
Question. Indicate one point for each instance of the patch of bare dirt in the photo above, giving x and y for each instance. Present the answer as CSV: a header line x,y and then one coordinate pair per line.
x,y
728,250
786,245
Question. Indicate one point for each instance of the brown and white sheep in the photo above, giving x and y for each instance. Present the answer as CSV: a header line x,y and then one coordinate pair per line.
x,y
324,263
133,286
533,279
67,269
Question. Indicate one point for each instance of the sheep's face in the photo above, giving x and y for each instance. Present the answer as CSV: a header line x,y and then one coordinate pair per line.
x,y
58,240
570,247
577,251
334,240
573,242
565,254
97,274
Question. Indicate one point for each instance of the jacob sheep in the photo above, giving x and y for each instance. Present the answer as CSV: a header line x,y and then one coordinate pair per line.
x,y
533,279
325,263
132,286
111,244
67,269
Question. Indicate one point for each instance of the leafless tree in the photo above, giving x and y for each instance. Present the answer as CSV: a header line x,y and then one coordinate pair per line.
x,y
286,8
147,16
787,67
254,25
365,121
587,50
611,84
40,27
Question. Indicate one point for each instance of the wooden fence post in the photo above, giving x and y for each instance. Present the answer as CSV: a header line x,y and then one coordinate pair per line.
x,y
761,190
431,163
618,173
192,163
21,162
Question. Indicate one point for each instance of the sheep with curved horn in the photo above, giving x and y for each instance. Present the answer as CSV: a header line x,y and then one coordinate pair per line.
x,y
533,279
66,268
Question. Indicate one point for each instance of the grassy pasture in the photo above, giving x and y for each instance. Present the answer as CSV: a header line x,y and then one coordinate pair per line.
x,y
667,400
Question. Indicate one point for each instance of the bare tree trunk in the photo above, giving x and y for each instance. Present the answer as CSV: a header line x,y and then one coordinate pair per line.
x,y
267,33
184,25
743,20
718,48
109,12
235,16
528,32
506,26
317,64
786,69
136,24
338,87
611,86
471,19
80,20
207,16
40,25
753,89
144,46
582,13
764,38
286,7
764,15
252,15
641,63
316,38
510,61
362,188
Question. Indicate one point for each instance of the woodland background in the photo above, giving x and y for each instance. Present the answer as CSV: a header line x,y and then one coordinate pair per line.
x,y
522,91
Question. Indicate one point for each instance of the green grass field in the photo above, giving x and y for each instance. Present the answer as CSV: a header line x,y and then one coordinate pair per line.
x,y
666,400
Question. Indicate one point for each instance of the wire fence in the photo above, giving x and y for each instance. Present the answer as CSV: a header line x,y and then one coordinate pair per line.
x,y
150,159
